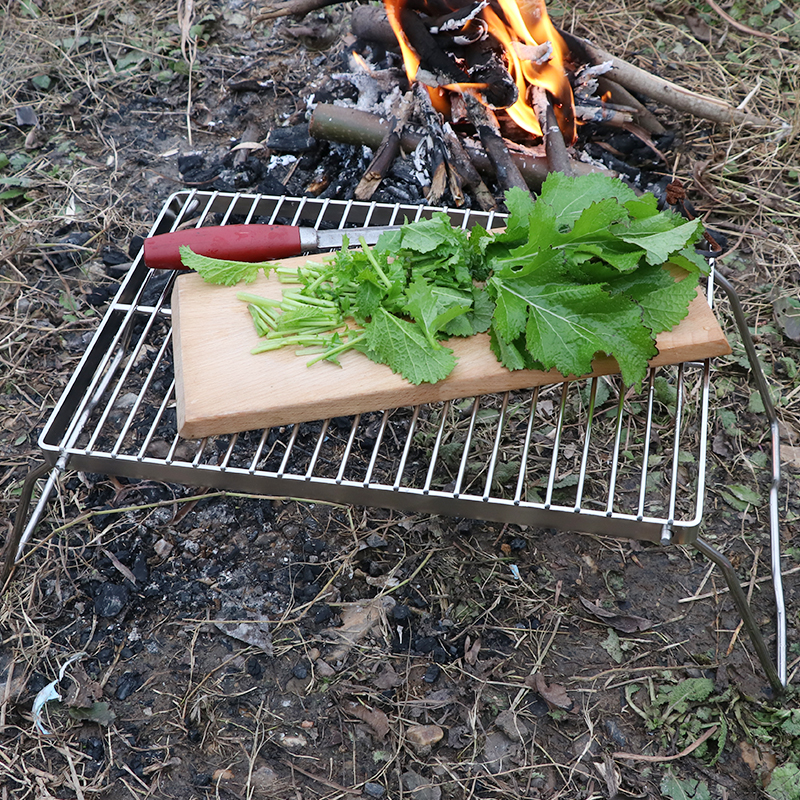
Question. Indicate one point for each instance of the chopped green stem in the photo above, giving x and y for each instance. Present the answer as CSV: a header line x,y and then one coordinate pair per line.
x,y
267,314
257,300
299,330
318,282
310,300
303,340
287,274
334,351
372,260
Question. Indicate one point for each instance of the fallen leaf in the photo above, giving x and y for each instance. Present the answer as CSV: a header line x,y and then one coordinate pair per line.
x,y
787,315
612,646
790,455
358,619
698,26
678,789
471,650
84,692
100,713
374,717
761,763
387,679
555,695
255,633
627,623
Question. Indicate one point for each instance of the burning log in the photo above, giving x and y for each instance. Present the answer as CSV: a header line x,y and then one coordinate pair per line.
x,y
371,24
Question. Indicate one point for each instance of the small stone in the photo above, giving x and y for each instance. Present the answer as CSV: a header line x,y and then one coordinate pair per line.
x,y
512,726
111,600
324,669
293,741
300,671
401,614
497,749
423,737
163,548
432,673
420,788
127,684
374,789
614,731
264,779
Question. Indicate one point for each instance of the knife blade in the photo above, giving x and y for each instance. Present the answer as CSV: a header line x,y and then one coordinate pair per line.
x,y
251,242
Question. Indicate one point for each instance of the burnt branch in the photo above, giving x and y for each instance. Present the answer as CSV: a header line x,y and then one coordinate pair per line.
x,y
431,56
355,127
387,152
293,8
554,145
666,92
506,169
460,162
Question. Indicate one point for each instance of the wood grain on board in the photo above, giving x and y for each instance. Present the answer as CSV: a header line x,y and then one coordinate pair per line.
x,y
222,388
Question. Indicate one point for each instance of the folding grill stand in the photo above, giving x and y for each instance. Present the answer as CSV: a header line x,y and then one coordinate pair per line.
x,y
129,359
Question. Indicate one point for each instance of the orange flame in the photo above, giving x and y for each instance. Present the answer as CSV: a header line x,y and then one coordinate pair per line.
x,y
527,23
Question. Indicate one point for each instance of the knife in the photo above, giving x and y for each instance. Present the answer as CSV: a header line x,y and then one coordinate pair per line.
x,y
251,242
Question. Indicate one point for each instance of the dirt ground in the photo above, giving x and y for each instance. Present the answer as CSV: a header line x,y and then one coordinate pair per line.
x,y
403,657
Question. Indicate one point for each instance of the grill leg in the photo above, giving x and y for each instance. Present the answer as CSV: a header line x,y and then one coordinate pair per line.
x,y
740,599
774,520
22,532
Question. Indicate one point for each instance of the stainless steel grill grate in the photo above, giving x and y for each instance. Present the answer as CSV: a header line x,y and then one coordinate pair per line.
x,y
588,455
585,454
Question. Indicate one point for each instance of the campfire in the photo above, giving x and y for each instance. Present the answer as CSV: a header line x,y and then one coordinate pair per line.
x,y
490,94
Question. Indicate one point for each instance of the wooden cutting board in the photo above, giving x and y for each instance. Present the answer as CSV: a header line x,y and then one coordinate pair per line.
x,y
222,388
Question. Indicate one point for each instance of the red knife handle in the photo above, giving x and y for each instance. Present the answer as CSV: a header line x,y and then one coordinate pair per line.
x,y
233,242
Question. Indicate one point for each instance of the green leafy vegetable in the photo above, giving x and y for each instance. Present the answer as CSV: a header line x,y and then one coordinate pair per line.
x,y
220,271
577,273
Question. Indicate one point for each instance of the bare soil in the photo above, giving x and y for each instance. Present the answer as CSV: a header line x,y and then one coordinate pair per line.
x,y
381,623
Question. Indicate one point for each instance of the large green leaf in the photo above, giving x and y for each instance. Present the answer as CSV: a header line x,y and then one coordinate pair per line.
x,y
404,348
567,325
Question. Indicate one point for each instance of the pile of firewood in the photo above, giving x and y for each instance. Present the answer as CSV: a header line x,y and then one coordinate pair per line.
x,y
468,140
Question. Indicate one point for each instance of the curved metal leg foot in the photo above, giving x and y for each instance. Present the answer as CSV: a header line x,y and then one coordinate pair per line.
x,y
740,599
21,532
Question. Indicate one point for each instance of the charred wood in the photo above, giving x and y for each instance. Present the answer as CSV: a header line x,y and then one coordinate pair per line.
x,y
387,152
433,143
431,56
487,70
290,139
555,147
459,160
506,170
621,96
371,24
354,127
